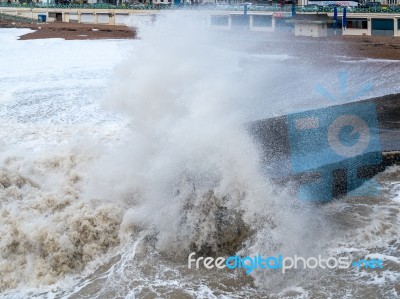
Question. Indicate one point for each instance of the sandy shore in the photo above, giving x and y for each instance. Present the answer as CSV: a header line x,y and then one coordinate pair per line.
x,y
378,47
70,31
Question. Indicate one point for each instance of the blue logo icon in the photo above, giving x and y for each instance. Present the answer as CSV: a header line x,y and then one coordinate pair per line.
x,y
343,96
334,143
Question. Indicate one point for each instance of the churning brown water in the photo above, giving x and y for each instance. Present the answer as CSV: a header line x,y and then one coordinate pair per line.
x,y
107,201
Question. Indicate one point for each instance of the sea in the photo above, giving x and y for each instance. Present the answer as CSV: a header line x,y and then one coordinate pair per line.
x,y
119,158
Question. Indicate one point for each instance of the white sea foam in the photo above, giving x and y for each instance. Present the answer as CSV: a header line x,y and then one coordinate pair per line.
x,y
186,160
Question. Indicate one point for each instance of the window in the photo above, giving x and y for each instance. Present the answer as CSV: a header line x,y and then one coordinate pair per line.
x,y
357,23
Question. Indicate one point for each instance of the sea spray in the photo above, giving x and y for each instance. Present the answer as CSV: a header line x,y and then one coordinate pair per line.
x,y
190,157
185,177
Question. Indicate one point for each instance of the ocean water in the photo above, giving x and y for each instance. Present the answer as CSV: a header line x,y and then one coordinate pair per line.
x,y
119,158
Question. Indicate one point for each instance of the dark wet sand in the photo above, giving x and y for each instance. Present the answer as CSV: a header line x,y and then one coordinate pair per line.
x,y
378,47
72,31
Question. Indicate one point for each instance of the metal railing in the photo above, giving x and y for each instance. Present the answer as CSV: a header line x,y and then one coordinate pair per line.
x,y
266,8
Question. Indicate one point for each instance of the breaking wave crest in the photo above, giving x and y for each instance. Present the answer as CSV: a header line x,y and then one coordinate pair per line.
x,y
185,177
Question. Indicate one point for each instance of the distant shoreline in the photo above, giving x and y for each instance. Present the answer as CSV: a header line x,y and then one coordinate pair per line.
x,y
322,49
72,31
375,47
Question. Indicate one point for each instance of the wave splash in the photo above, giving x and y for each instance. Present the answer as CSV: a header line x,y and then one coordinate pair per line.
x,y
187,178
